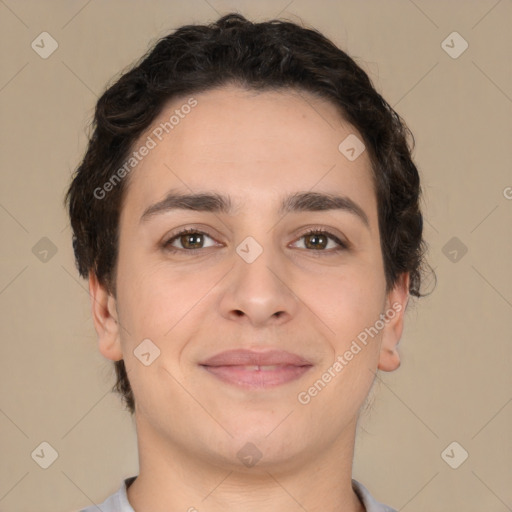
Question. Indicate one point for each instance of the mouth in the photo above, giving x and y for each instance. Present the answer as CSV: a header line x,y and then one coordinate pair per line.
x,y
257,370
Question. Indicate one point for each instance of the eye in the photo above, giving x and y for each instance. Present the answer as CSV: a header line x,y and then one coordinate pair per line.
x,y
318,240
189,239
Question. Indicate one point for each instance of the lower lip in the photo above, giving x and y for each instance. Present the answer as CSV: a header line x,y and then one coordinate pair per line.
x,y
257,379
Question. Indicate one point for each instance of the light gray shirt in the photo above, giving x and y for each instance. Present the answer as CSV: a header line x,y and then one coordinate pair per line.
x,y
118,502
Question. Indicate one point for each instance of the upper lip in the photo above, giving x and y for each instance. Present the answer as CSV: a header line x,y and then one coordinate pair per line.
x,y
243,357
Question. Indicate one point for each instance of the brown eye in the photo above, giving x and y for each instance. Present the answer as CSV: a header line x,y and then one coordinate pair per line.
x,y
191,241
188,240
316,241
319,240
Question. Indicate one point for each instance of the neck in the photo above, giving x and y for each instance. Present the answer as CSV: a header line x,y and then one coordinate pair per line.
x,y
172,478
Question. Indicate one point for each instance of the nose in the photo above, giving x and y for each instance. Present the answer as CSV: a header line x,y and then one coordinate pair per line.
x,y
260,292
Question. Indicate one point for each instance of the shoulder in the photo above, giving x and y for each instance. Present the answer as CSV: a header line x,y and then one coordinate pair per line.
x,y
369,502
117,502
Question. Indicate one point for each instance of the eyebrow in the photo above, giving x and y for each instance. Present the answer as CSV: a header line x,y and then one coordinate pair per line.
x,y
218,203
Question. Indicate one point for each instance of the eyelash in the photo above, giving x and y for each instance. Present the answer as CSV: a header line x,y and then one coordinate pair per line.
x,y
312,231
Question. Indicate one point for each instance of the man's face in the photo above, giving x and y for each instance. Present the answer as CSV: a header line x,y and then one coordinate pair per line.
x,y
250,279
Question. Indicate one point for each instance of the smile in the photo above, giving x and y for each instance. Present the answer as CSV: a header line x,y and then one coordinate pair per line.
x,y
257,377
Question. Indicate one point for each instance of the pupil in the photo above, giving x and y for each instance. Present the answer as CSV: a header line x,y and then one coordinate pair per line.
x,y
192,239
316,237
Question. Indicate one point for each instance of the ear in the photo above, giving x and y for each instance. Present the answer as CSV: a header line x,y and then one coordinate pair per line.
x,y
104,314
396,302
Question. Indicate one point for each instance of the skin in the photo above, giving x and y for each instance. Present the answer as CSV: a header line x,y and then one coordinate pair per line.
x,y
257,148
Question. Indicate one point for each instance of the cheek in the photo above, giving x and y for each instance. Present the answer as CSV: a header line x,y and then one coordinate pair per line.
x,y
162,303
145,302
351,301
354,305
351,308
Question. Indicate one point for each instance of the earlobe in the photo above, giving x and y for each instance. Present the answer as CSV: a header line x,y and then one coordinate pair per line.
x,y
396,303
104,313
389,360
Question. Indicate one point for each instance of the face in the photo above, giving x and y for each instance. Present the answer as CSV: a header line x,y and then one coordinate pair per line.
x,y
307,279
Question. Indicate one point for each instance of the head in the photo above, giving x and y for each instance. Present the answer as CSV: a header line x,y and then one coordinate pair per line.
x,y
255,112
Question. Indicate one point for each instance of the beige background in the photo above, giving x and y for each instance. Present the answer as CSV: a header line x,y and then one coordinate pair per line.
x,y
455,380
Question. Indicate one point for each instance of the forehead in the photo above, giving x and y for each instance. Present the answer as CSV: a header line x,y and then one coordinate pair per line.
x,y
253,145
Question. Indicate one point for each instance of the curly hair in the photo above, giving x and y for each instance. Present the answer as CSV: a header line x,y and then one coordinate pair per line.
x,y
270,55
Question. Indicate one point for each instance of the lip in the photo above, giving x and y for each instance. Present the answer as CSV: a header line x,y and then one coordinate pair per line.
x,y
243,367
242,357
